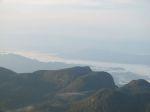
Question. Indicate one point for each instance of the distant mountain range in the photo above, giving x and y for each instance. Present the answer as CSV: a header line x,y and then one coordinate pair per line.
x,y
22,64
77,89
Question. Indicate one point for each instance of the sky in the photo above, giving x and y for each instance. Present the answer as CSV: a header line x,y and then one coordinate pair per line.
x,y
70,28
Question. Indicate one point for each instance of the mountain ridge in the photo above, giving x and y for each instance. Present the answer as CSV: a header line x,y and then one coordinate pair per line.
x,y
65,89
23,64
42,85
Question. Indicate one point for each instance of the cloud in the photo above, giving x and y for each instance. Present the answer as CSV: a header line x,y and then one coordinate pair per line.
x,y
57,28
77,2
46,1
43,57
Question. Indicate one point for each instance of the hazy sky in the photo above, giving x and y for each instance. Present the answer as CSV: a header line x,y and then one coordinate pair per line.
x,y
62,27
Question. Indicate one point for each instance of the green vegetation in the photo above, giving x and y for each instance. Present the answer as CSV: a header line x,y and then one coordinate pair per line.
x,y
77,89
